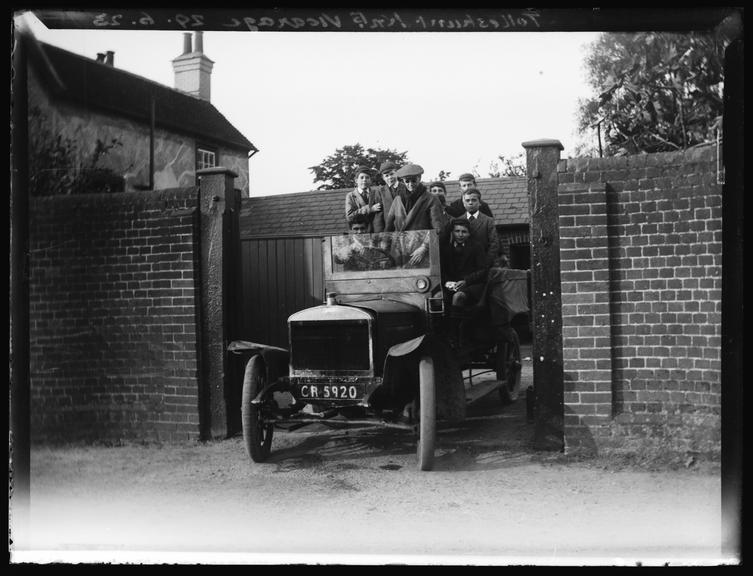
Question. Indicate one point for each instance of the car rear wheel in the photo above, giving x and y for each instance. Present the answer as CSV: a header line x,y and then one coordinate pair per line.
x,y
427,425
509,390
257,436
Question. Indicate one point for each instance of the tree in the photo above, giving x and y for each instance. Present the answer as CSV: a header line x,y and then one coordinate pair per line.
x,y
55,168
505,166
337,171
655,91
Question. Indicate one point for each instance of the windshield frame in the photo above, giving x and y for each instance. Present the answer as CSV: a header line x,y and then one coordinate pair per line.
x,y
333,272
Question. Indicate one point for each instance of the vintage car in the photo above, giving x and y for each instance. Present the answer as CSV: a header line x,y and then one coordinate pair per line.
x,y
381,350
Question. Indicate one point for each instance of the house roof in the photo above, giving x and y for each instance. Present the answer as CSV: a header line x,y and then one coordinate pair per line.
x,y
507,197
98,85
322,212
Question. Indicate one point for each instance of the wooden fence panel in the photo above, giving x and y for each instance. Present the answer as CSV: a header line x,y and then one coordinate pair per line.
x,y
279,276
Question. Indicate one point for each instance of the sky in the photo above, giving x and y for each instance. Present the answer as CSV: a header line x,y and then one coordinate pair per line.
x,y
453,101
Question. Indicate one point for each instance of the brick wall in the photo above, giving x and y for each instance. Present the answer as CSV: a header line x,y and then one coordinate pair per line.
x,y
641,257
114,328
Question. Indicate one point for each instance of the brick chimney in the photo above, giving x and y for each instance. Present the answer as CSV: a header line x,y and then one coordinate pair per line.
x,y
193,70
106,58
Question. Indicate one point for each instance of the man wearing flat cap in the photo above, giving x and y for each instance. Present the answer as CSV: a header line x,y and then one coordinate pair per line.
x,y
456,208
386,193
414,209
363,200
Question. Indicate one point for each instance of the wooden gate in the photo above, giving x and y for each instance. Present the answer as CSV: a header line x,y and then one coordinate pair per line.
x,y
279,276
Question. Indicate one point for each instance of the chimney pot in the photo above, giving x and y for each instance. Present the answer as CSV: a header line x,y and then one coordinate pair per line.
x,y
110,59
193,70
199,41
186,43
100,57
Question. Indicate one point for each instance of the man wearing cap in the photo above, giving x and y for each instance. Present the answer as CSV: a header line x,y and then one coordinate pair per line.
x,y
414,209
362,200
386,193
456,209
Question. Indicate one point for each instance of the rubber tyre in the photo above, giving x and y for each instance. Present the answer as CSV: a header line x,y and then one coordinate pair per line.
x,y
256,436
427,425
509,391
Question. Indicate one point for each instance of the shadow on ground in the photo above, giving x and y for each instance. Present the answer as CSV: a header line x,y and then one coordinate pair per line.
x,y
492,436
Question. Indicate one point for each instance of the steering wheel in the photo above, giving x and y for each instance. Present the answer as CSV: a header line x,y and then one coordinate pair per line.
x,y
379,258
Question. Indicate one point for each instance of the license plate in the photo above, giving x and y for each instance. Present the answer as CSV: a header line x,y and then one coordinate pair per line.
x,y
330,391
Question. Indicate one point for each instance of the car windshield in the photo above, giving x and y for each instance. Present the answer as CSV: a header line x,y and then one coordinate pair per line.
x,y
381,251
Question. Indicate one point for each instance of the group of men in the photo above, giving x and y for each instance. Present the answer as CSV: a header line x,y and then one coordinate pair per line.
x,y
469,245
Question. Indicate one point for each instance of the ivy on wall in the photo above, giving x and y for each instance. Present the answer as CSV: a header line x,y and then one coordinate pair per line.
x,y
56,166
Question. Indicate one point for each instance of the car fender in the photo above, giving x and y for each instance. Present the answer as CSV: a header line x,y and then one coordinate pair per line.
x,y
405,348
275,359
402,357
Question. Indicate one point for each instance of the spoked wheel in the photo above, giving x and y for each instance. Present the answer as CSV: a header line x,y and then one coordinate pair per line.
x,y
256,435
427,426
511,368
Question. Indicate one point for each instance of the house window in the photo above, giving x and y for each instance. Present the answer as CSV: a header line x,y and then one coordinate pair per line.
x,y
205,158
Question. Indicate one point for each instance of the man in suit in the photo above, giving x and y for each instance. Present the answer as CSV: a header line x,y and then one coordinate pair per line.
x,y
362,200
414,209
482,226
464,267
456,209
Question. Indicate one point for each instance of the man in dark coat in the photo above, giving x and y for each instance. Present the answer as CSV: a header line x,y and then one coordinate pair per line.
x,y
414,209
464,266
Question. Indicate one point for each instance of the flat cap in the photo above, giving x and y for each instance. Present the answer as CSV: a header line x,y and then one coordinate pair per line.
x,y
409,170
360,169
387,166
467,176
438,183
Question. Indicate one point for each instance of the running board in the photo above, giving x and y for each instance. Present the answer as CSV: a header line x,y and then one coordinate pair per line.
x,y
481,389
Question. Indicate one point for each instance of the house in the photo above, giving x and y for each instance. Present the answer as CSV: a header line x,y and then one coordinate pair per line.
x,y
145,134
322,213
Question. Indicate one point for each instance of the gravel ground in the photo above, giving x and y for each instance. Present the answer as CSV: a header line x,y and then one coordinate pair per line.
x,y
355,497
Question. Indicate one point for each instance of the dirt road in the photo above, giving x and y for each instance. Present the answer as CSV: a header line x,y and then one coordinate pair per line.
x,y
355,496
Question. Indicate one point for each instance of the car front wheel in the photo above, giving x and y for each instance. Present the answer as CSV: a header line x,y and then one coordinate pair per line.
x,y
427,414
257,436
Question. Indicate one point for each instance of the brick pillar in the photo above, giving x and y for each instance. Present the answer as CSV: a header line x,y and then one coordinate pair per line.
x,y
234,295
586,326
216,197
542,157
733,326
